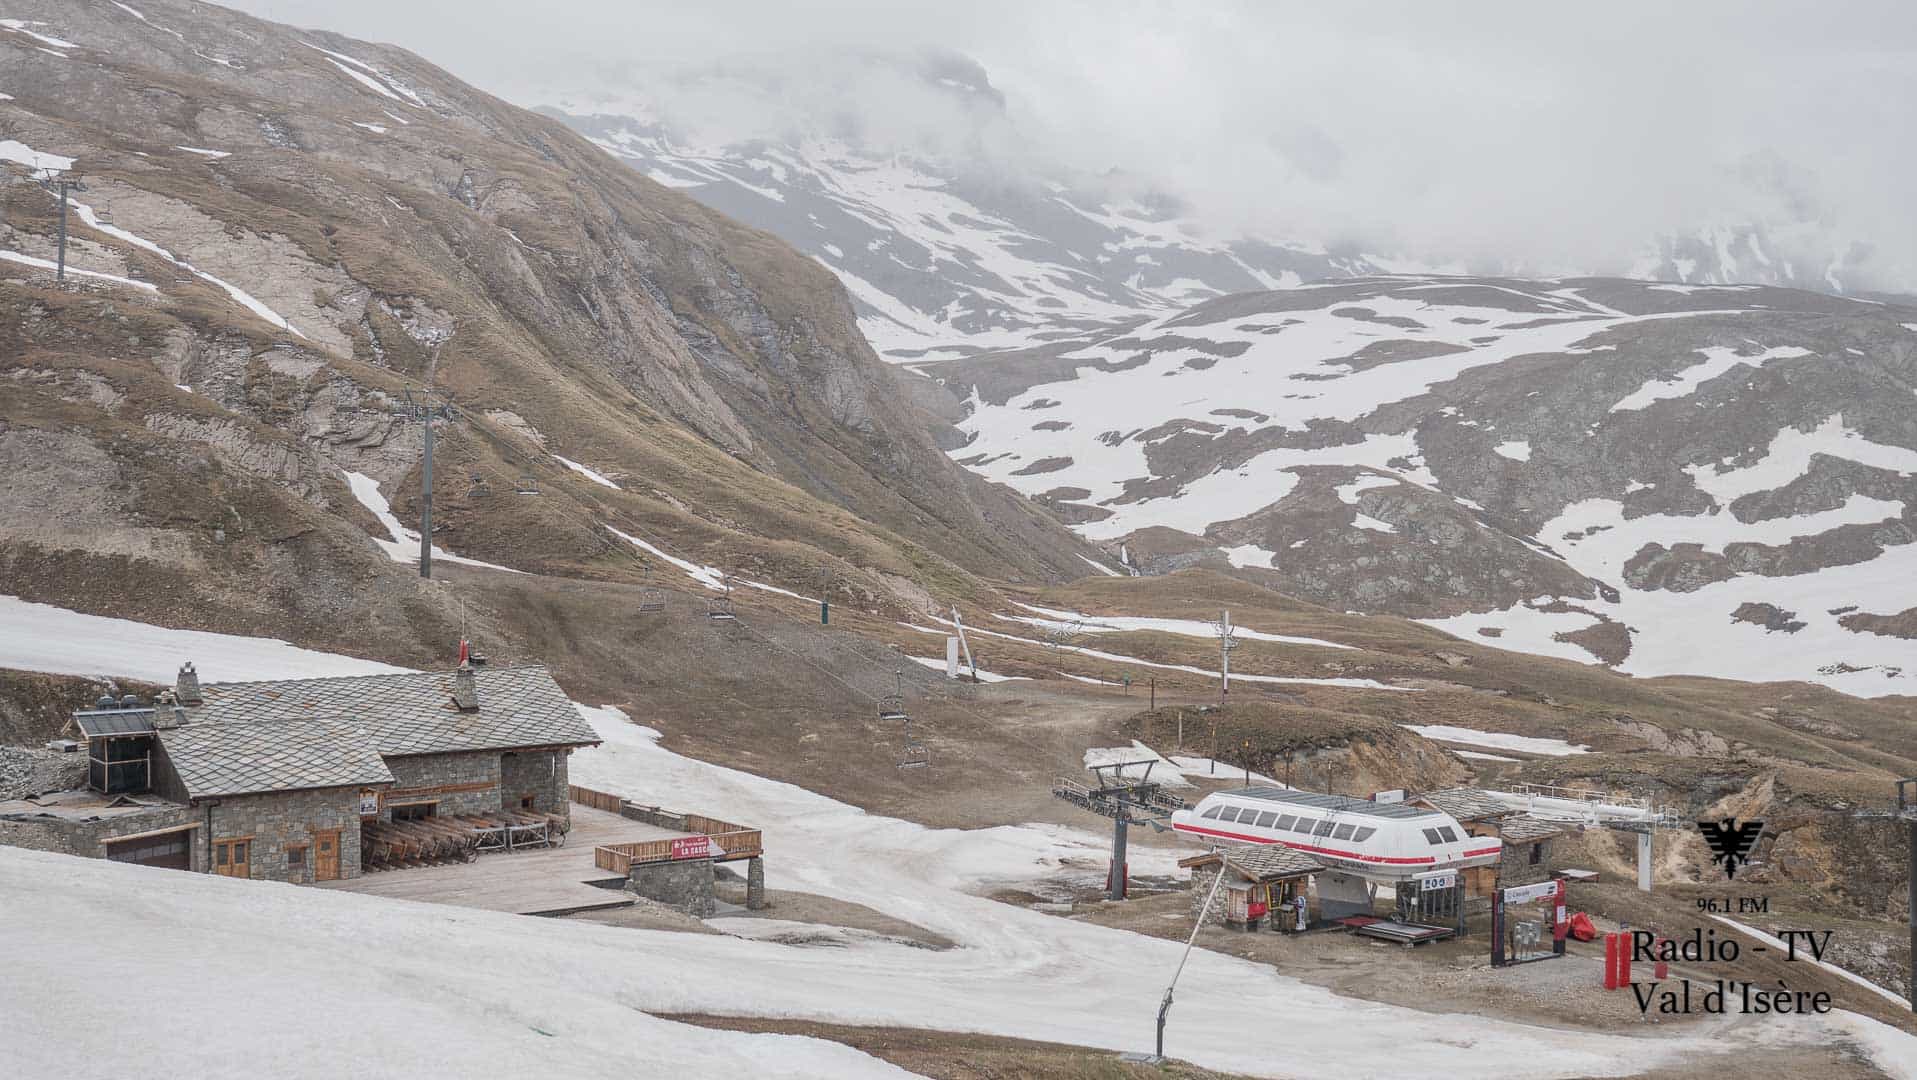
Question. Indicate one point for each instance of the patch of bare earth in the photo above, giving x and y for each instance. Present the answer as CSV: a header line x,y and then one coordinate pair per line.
x,y
953,1056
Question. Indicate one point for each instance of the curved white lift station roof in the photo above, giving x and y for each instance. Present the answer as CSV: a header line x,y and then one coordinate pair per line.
x,y
1376,841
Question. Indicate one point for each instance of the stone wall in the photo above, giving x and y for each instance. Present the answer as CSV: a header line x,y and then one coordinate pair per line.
x,y
1201,882
281,820
88,839
685,884
1518,869
540,774
473,780
25,772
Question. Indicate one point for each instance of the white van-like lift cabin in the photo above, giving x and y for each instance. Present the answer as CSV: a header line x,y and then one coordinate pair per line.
x,y
1380,842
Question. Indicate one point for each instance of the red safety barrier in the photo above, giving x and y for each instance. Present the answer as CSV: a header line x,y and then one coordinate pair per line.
x,y
1661,970
1617,960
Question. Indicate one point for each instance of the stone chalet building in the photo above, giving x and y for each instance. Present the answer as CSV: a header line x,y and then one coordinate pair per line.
x,y
274,780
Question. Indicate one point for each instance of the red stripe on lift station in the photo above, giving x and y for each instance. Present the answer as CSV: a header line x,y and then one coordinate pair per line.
x,y
1352,855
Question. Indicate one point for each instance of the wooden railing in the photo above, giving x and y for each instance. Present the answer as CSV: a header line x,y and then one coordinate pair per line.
x,y
729,841
619,858
598,800
725,847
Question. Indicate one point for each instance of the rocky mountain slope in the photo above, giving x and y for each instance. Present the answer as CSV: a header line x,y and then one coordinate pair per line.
x,y
283,233
950,254
943,263
955,250
1665,478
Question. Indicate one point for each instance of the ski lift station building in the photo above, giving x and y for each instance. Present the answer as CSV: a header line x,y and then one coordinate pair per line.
x,y
302,780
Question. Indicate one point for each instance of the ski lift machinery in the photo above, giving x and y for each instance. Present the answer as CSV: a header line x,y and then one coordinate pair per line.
x,y
1127,794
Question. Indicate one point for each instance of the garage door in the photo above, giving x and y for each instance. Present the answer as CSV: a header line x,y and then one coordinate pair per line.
x,y
168,850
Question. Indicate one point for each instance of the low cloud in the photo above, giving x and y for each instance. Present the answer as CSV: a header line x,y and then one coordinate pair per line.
x,y
1555,138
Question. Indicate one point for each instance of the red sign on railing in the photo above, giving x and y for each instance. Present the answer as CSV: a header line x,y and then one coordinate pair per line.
x,y
692,847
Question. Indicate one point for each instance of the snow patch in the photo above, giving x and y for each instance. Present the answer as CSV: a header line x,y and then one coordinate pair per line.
x,y
1718,360
404,545
1497,740
587,473
21,154
49,264
40,637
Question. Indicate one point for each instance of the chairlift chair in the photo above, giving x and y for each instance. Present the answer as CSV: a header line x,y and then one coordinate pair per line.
x,y
479,489
527,486
915,755
719,607
651,600
892,706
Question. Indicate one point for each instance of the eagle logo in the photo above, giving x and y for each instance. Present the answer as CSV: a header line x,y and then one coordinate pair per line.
x,y
1731,842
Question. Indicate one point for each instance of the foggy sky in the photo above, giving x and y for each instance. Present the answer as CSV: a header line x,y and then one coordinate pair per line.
x,y
1562,136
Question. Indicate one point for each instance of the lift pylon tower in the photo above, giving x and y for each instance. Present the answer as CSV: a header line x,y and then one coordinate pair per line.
x,y
428,411
1128,798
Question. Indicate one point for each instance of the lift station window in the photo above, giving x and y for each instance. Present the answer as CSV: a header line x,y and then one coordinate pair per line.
x,y
1323,829
1450,835
1364,833
1431,836
1284,823
1304,825
1343,832
1267,819
1213,812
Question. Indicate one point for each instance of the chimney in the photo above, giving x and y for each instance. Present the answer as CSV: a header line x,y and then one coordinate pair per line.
x,y
186,687
167,717
466,688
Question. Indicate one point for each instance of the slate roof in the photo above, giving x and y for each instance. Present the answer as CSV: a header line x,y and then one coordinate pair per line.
x,y
1464,804
1474,805
1524,828
406,713
1262,862
213,759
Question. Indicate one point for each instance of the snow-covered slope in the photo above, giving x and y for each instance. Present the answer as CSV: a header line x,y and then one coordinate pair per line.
x,y
1674,479
942,263
289,968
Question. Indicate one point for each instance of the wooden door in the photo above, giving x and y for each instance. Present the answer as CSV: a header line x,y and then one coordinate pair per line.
x,y
233,858
326,855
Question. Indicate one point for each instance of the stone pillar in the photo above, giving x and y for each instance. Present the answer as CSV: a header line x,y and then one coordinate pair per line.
x,y
755,884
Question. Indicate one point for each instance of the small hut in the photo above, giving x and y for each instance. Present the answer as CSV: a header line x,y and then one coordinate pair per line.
x,y
1527,857
1262,886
